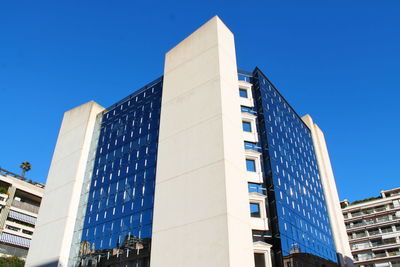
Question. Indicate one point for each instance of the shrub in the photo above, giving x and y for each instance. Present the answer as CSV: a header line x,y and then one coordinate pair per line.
x,y
13,261
3,190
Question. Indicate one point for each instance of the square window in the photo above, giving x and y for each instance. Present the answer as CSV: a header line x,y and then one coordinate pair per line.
x,y
243,93
251,165
255,210
246,126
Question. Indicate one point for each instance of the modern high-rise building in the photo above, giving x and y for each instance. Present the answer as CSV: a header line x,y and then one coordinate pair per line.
x,y
19,206
373,226
205,166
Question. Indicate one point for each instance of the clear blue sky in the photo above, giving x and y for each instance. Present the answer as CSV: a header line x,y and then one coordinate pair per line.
x,y
336,60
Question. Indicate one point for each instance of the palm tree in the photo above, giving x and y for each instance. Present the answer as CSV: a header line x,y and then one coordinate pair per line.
x,y
25,166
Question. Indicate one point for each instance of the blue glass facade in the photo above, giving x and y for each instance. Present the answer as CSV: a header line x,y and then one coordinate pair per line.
x,y
119,207
296,203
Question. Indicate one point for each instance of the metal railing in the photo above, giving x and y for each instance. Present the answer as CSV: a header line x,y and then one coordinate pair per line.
x,y
5,172
394,253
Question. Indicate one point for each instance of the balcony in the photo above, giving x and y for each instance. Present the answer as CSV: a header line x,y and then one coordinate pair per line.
x,y
379,255
25,206
256,188
3,199
248,110
360,246
358,224
364,257
393,253
356,214
369,211
252,146
372,223
359,235
380,209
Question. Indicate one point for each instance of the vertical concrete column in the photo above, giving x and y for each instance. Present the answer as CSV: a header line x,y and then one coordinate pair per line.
x,y
6,209
52,238
201,210
331,195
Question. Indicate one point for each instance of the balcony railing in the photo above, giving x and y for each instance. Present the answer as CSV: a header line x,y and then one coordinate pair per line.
x,y
25,206
379,255
359,224
360,235
367,212
252,146
360,246
394,253
365,258
380,209
248,110
378,221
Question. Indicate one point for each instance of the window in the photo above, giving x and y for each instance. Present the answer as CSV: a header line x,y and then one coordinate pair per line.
x,y
255,210
251,165
256,188
246,126
27,232
243,93
250,145
12,228
259,260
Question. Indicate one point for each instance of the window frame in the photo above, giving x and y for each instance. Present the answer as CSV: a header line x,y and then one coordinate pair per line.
x,y
256,203
254,164
247,122
245,92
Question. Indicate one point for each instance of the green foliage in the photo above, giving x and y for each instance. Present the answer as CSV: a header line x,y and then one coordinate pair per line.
x,y
25,166
3,190
13,261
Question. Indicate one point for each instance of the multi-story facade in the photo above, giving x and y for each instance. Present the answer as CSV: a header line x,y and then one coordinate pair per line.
x,y
205,166
373,227
19,207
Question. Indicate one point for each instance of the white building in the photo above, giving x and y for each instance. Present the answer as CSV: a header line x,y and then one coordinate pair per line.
x,y
205,166
19,207
373,227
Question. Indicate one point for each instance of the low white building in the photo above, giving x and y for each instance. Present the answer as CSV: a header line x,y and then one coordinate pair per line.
x,y
19,206
373,227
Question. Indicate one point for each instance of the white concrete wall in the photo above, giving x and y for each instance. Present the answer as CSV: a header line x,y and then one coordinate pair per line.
x,y
51,241
23,186
201,211
331,194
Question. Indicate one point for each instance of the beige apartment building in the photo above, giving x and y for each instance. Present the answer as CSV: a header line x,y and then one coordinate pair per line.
x,y
373,227
19,206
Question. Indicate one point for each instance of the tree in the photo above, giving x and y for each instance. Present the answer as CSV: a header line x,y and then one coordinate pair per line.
x,y
25,166
13,261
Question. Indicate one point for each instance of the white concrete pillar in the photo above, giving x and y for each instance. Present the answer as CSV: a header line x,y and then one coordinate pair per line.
x,y
51,241
201,211
331,195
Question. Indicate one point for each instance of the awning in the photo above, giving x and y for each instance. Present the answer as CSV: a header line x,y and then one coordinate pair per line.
x,y
22,217
15,240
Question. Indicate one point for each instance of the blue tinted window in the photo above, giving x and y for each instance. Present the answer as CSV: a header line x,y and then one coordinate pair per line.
x,y
248,110
251,165
257,188
121,196
252,146
246,126
243,93
292,171
255,210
